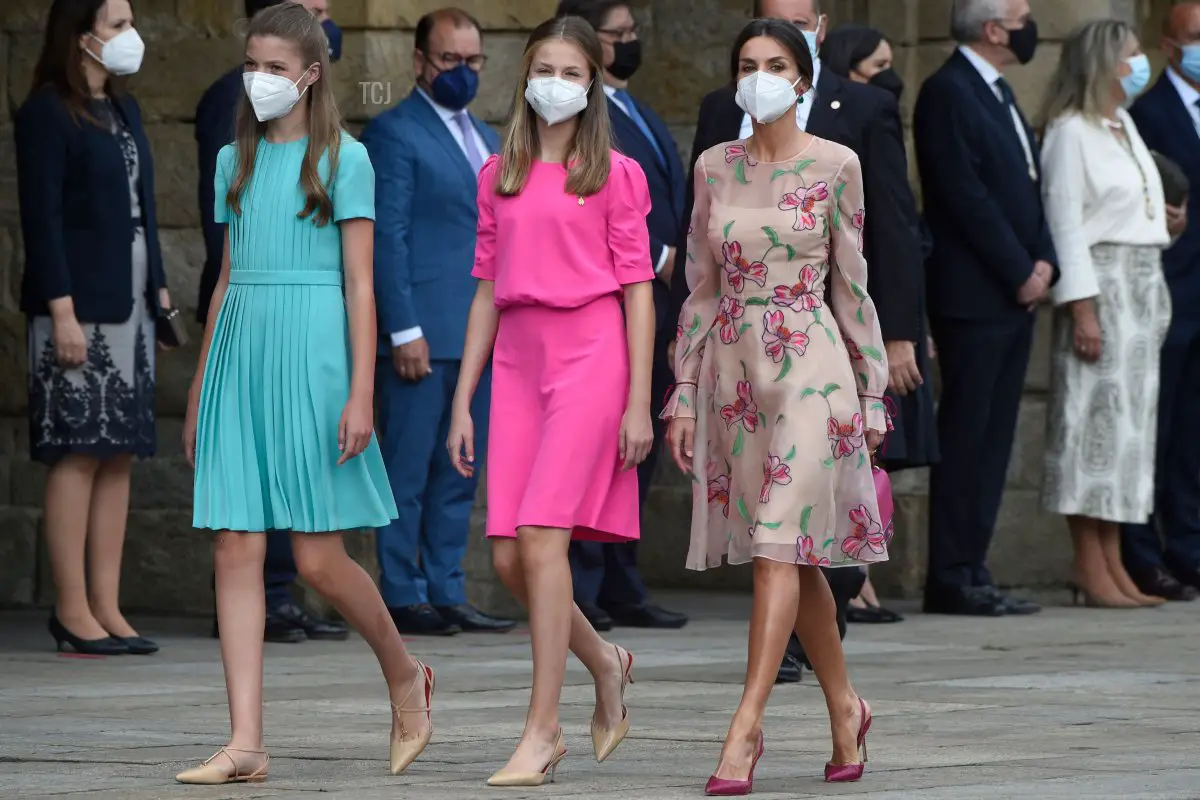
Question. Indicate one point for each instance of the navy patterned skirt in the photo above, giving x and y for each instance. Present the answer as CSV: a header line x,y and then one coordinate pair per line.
x,y
105,407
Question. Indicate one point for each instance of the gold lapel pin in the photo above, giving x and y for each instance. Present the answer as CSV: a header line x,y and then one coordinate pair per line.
x,y
580,199
835,105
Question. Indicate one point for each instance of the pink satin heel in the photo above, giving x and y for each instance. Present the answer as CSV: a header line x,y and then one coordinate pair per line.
x,y
848,773
727,787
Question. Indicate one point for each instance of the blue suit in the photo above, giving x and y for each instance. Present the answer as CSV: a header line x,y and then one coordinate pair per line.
x,y
425,218
1168,128
607,573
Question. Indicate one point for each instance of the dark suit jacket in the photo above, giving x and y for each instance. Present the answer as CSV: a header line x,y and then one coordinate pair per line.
x,y
215,118
983,211
867,120
666,218
1167,127
76,210
426,218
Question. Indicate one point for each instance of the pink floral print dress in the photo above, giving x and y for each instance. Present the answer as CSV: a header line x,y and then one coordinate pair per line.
x,y
783,381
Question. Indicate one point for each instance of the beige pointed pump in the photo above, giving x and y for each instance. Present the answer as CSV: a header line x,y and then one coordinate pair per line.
x,y
605,740
503,778
405,750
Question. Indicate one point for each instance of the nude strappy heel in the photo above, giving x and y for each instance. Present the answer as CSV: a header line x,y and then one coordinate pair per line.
x,y
210,774
605,740
404,749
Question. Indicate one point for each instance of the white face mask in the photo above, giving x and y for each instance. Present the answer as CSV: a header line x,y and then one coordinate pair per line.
x,y
556,99
766,97
271,96
122,54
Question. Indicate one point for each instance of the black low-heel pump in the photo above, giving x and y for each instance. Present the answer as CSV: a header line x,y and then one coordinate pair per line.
x,y
108,646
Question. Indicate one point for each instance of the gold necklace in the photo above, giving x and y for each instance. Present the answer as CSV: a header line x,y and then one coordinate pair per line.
x,y
1121,135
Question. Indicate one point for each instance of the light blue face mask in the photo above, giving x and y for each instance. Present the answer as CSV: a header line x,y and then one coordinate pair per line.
x,y
811,38
1138,78
1189,63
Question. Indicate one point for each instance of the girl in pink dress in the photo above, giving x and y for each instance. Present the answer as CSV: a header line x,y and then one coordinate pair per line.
x,y
562,241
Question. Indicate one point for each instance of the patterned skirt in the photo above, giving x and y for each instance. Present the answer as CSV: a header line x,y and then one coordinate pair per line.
x,y
105,407
1102,416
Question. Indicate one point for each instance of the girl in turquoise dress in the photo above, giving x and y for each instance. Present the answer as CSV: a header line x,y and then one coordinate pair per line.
x,y
279,423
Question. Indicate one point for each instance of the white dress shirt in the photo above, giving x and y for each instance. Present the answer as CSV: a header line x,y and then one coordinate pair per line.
x,y
610,93
448,117
1096,193
1188,94
990,75
803,110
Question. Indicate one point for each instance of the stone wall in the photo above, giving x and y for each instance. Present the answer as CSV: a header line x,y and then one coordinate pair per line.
x,y
191,42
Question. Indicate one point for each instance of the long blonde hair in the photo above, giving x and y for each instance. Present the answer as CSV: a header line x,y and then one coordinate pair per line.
x,y
1082,83
295,24
592,148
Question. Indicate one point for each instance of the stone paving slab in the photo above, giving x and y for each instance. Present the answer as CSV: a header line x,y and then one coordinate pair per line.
x,y
1077,704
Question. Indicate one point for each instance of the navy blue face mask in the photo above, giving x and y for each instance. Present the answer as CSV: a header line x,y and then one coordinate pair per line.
x,y
334,34
455,88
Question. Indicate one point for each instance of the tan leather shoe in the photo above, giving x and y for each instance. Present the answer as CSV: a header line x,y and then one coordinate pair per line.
x,y
214,772
405,749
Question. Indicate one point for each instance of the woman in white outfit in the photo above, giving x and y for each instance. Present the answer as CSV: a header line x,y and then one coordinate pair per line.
x,y
1105,207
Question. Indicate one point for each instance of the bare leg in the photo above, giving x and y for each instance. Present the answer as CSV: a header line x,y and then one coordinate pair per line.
x,y
241,617
106,542
598,656
816,627
1109,535
771,621
867,595
543,555
67,500
323,562
1091,569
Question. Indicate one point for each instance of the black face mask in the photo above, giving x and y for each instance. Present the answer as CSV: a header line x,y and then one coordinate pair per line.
x,y
890,80
627,57
1023,42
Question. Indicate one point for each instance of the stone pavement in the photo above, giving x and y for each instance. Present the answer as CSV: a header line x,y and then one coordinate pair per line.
x,y
1074,703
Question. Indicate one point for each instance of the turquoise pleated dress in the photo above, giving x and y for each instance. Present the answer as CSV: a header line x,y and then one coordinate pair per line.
x,y
278,372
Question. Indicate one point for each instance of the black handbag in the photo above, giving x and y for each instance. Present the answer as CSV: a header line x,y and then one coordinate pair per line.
x,y
1175,182
169,328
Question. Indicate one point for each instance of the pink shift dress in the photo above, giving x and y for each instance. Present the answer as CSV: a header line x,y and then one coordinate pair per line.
x,y
560,366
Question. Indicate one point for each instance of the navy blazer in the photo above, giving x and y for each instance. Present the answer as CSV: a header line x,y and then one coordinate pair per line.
x,y
666,218
983,210
216,116
76,214
1166,126
425,222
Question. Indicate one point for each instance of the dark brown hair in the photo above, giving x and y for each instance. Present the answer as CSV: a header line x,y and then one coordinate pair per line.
x,y
294,24
60,64
787,34
591,151
455,16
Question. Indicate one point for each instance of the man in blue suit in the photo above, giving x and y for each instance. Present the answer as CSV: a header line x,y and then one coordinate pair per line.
x,y
1163,556
427,153
608,587
287,620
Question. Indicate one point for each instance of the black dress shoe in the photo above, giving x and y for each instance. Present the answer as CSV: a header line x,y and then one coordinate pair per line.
x,y
966,601
138,645
314,627
1013,606
281,631
422,620
1190,578
596,615
1157,582
645,615
472,620
790,670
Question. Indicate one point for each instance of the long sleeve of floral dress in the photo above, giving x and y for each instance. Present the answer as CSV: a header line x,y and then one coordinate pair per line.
x,y
700,309
851,305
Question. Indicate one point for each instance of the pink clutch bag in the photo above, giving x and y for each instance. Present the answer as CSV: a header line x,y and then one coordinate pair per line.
x,y
883,494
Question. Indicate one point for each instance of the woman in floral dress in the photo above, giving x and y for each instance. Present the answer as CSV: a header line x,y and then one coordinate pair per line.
x,y
780,388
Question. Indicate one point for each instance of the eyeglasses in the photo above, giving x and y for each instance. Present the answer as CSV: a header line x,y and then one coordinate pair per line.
x,y
452,60
621,34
